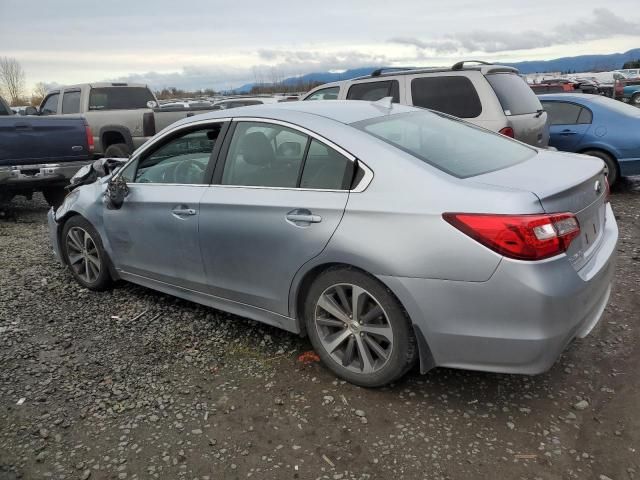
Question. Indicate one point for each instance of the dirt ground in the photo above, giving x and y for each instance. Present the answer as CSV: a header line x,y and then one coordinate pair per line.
x,y
134,384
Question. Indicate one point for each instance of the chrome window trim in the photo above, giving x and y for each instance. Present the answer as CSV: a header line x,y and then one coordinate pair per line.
x,y
360,187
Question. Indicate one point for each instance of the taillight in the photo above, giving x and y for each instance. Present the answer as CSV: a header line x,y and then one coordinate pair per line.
x,y
90,143
523,237
507,131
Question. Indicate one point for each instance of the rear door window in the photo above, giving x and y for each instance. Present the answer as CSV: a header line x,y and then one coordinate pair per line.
x,y
324,168
71,102
50,106
514,94
563,113
119,98
373,91
454,95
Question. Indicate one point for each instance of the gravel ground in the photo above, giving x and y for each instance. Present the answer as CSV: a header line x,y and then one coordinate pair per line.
x,y
134,384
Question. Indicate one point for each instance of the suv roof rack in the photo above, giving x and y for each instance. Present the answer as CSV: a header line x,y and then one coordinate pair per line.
x,y
378,71
460,65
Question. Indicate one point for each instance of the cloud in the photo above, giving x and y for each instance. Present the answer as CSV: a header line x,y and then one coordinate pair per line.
x,y
604,24
270,64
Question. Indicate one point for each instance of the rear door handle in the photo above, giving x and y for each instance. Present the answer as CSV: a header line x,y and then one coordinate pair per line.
x,y
183,212
566,133
301,216
296,217
22,126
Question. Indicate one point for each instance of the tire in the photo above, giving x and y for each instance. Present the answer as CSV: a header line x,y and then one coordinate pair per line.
x,y
379,311
613,171
73,242
635,100
117,150
54,195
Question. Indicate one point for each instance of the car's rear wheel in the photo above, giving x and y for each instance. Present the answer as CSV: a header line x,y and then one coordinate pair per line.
x,y
117,150
635,100
610,164
84,254
358,328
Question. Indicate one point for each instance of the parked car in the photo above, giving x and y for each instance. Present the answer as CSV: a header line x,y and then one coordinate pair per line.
x,y
122,116
631,92
597,126
609,83
40,154
243,102
491,96
630,72
291,214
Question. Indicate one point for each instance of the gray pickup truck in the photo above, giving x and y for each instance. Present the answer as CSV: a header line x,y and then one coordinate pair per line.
x,y
122,116
41,154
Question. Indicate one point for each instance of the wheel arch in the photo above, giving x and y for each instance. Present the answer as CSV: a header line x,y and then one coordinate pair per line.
x,y
109,135
60,223
303,282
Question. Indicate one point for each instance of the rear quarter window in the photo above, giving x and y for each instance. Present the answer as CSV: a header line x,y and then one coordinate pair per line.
x,y
514,94
453,146
454,95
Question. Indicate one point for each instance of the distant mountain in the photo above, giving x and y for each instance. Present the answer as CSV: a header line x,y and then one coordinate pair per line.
x,y
582,63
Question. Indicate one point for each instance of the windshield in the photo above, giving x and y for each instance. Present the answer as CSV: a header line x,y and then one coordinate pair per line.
x,y
455,147
515,95
119,98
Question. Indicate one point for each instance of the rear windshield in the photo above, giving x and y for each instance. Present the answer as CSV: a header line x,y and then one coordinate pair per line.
x,y
452,146
119,98
515,95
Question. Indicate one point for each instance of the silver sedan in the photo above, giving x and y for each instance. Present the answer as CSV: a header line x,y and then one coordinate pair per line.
x,y
387,234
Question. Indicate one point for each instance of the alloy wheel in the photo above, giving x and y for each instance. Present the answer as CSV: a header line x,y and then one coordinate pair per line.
x,y
353,328
83,254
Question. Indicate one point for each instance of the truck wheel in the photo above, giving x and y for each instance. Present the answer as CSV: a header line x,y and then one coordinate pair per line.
x,y
6,197
635,100
609,161
117,150
54,195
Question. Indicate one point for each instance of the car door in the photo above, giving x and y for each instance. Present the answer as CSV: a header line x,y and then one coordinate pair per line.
x,y
568,123
155,233
279,193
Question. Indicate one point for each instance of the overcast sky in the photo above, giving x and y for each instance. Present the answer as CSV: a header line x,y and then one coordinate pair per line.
x,y
210,43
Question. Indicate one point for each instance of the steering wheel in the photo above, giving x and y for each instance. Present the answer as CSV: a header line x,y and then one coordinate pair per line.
x,y
187,170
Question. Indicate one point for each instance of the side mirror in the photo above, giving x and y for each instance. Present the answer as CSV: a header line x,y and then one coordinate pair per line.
x,y
152,104
30,111
117,191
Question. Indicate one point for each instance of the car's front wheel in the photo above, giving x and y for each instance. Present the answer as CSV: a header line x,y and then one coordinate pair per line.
x,y
84,254
358,328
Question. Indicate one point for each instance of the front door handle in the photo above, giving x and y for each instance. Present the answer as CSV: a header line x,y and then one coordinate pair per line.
x,y
302,216
22,126
183,211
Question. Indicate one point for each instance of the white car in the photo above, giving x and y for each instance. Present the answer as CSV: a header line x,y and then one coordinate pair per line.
x,y
491,96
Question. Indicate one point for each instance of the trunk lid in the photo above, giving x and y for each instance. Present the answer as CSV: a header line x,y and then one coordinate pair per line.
x,y
563,183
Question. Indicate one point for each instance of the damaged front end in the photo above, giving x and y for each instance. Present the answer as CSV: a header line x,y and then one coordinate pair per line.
x,y
92,172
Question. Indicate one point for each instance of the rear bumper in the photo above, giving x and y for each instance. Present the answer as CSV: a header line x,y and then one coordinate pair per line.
x,y
518,321
35,176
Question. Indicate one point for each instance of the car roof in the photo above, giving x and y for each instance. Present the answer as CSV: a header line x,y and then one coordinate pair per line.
x,y
582,97
343,111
